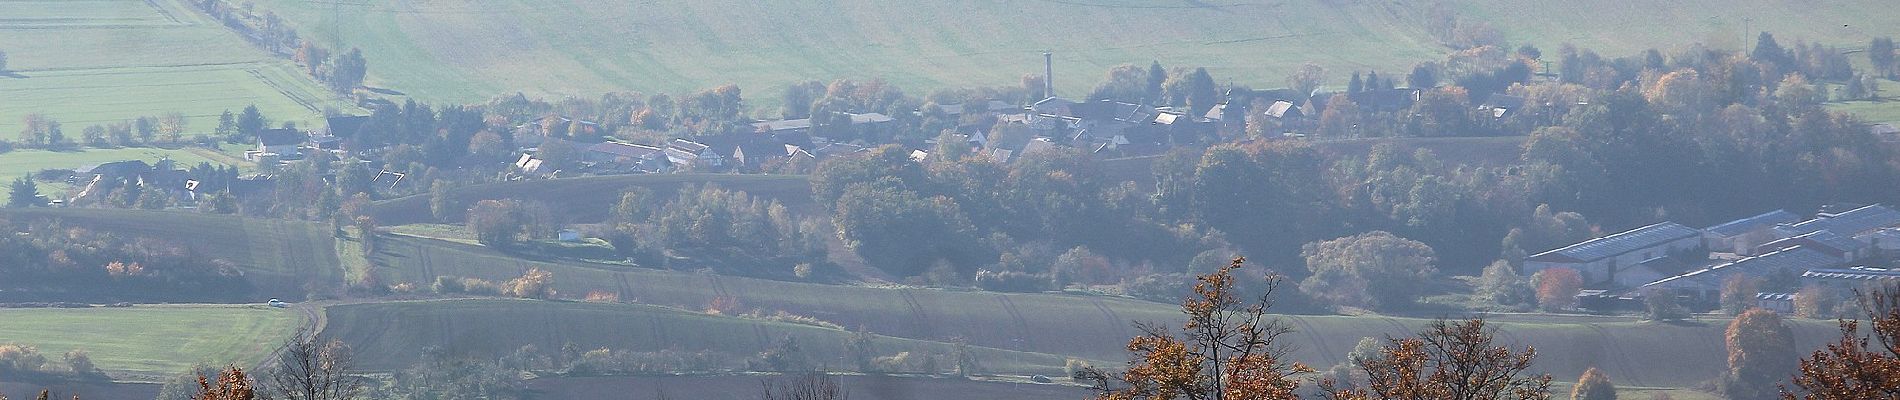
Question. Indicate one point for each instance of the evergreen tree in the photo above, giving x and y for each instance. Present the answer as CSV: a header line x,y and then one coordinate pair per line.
x,y
1202,95
1373,82
1425,75
250,123
1766,50
227,124
1156,77
24,194
1356,85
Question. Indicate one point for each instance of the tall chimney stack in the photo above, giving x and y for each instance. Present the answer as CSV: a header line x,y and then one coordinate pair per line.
x,y
1048,74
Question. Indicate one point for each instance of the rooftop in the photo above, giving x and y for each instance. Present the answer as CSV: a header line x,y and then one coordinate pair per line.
x,y
783,125
624,149
1744,225
1623,242
1831,241
280,137
1798,258
1851,222
1854,273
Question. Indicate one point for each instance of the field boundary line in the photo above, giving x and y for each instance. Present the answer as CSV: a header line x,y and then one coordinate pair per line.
x,y
1022,323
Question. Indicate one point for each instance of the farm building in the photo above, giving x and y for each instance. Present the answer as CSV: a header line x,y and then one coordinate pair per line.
x,y
1845,248
1706,283
642,157
1600,260
1851,223
687,152
1780,303
1743,235
1845,280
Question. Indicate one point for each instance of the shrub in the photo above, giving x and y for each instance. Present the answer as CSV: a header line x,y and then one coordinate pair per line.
x,y
1011,281
535,284
1661,305
15,357
724,305
601,296
1075,368
447,285
481,287
81,364
902,361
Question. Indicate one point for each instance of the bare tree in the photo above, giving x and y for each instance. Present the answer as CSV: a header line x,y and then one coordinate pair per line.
x,y
309,369
1448,360
810,386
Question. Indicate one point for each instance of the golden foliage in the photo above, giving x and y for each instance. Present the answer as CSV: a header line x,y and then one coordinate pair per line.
x,y
1859,366
231,384
535,284
1226,350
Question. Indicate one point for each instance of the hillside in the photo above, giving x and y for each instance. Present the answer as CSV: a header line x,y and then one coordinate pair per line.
x,y
458,51
278,256
1017,325
105,61
1092,327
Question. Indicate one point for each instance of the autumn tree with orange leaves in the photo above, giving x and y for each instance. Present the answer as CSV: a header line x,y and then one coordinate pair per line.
x,y
1227,350
231,384
1449,360
1859,366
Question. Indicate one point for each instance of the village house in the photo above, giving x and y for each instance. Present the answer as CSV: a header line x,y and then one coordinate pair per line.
x,y
628,156
777,130
1600,260
1499,105
682,152
1742,235
281,143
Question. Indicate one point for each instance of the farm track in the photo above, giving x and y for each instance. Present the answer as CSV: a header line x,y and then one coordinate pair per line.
x,y
623,289
1115,321
920,320
1615,354
1319,339
1025,335
272,83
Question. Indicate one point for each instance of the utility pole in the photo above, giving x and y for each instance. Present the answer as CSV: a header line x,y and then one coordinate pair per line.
x,y
1747,44
1048,74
